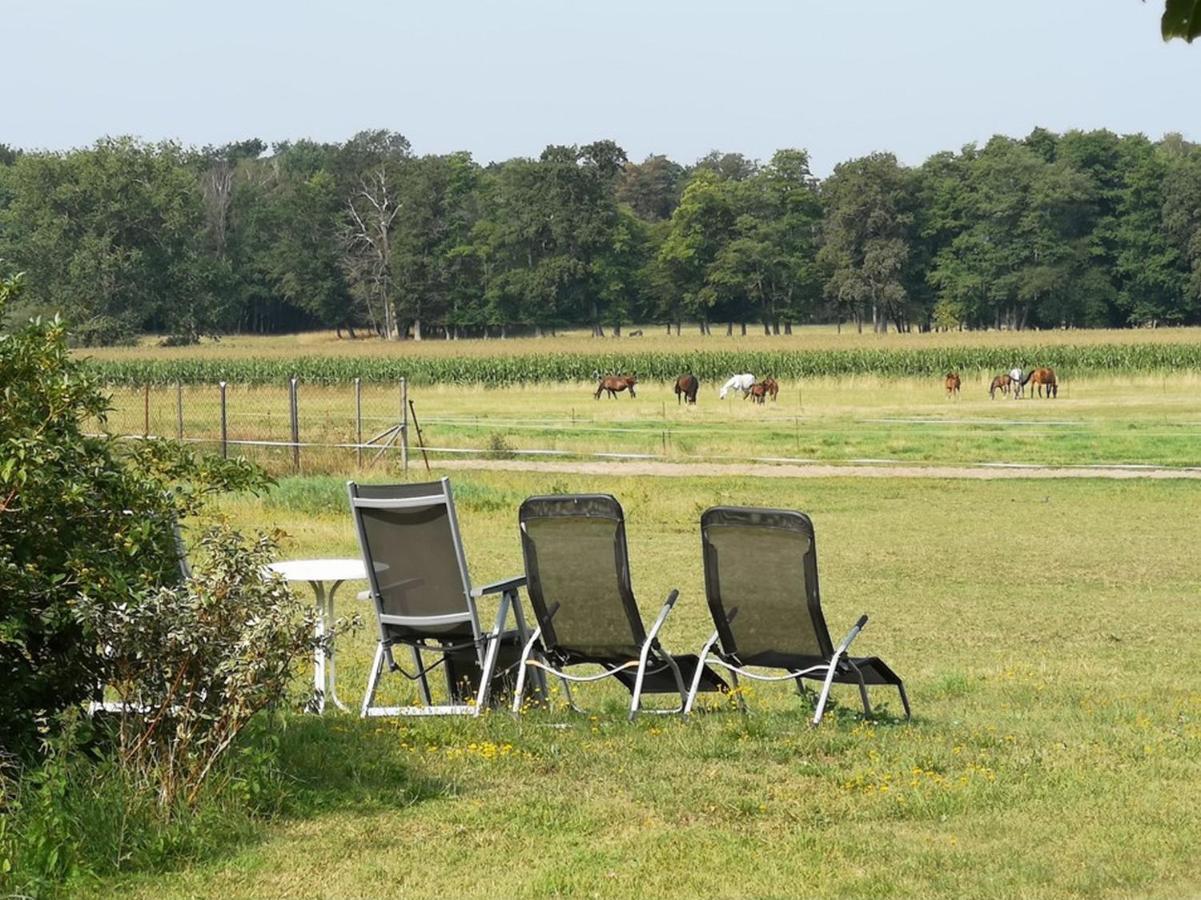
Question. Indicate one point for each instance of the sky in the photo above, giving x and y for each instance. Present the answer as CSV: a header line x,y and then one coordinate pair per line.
x,y
502,79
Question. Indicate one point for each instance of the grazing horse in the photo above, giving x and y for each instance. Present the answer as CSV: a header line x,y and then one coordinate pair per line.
x,y
952,384
1015,380
1041,377
686,388
741,382
615,383
1001,382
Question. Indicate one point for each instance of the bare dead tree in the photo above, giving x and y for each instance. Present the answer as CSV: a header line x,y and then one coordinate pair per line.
x,y
367,247
216,188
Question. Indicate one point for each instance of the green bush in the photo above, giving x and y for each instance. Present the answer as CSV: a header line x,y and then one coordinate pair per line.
x,y
80,514
191,664
82,814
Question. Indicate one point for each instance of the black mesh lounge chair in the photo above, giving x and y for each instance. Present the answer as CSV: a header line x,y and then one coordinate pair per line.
x,y
578,573
423,598
761,583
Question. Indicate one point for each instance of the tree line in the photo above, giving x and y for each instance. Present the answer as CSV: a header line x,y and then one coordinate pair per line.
x,y
1081,229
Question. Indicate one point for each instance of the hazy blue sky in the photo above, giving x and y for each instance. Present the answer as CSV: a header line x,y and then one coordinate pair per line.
x,y
502,79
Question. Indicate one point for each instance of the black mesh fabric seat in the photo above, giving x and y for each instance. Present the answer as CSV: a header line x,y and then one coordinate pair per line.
x,y
413,553
578,579
762,588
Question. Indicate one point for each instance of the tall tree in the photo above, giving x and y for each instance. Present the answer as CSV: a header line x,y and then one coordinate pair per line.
x,y
866,240
701,227
111,237
652,187
437,211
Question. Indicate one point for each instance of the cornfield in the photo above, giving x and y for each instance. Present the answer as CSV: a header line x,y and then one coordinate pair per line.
x,y
708,365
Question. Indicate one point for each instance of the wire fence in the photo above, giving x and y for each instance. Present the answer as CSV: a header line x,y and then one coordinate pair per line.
x,y
297,428
292,427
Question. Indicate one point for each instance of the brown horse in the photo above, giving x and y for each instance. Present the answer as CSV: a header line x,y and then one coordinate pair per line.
x,y
615,383
758,392
1040,378
1002,383
952,384
686,388
773,389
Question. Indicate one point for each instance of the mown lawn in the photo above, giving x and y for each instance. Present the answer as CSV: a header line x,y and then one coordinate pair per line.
x,y
1047,632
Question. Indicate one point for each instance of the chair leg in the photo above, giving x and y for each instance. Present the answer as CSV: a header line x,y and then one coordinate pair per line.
x,y
519,693
486,676
421,677
373,678
696,678
522,667
540,683
636,697
679,676
567,693
904,699
451,687
825,694
867,707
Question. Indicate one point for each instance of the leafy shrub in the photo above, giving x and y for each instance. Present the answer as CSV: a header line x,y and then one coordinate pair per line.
x,y
104,331
79,815
192,663
79,514
498,447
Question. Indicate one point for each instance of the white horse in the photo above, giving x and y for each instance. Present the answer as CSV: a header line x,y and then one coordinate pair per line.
x,y
743,382
1016,374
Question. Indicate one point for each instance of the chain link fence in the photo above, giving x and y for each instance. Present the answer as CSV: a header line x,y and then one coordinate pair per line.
x,y
293,427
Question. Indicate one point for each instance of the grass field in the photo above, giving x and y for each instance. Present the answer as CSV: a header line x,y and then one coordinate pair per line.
x,y
1046,632
1128,420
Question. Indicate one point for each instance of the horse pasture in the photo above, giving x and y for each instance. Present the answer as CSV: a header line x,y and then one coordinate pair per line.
x,y
1098,420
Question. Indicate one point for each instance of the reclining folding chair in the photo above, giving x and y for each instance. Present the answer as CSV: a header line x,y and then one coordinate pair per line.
x,y
761,584
578,573
413,553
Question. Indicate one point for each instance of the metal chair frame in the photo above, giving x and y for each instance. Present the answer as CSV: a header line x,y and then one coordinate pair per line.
x,y
486,644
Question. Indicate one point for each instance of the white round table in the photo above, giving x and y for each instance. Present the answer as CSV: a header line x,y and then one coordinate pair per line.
x,y
319,572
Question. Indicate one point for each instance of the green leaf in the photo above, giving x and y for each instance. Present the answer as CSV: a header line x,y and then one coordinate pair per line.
x,y
1181,19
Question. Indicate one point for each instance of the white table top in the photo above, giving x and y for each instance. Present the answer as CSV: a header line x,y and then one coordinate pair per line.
x,y
320,569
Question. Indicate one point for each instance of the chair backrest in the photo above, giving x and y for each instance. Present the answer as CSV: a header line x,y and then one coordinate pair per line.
x,y
761,584
577,566
409,537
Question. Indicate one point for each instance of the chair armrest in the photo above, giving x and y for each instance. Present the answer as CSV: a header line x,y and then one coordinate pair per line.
x,y
499,587
851,635
668,605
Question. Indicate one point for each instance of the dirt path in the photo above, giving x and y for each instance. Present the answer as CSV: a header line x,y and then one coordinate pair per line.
x,y
817,470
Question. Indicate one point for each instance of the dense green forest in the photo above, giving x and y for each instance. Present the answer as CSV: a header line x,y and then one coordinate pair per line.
x,y
1080,229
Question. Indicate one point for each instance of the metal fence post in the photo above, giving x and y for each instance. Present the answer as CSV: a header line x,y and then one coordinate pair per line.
x,y
404,426
146,410
224,424
179,411
358,420
294,398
